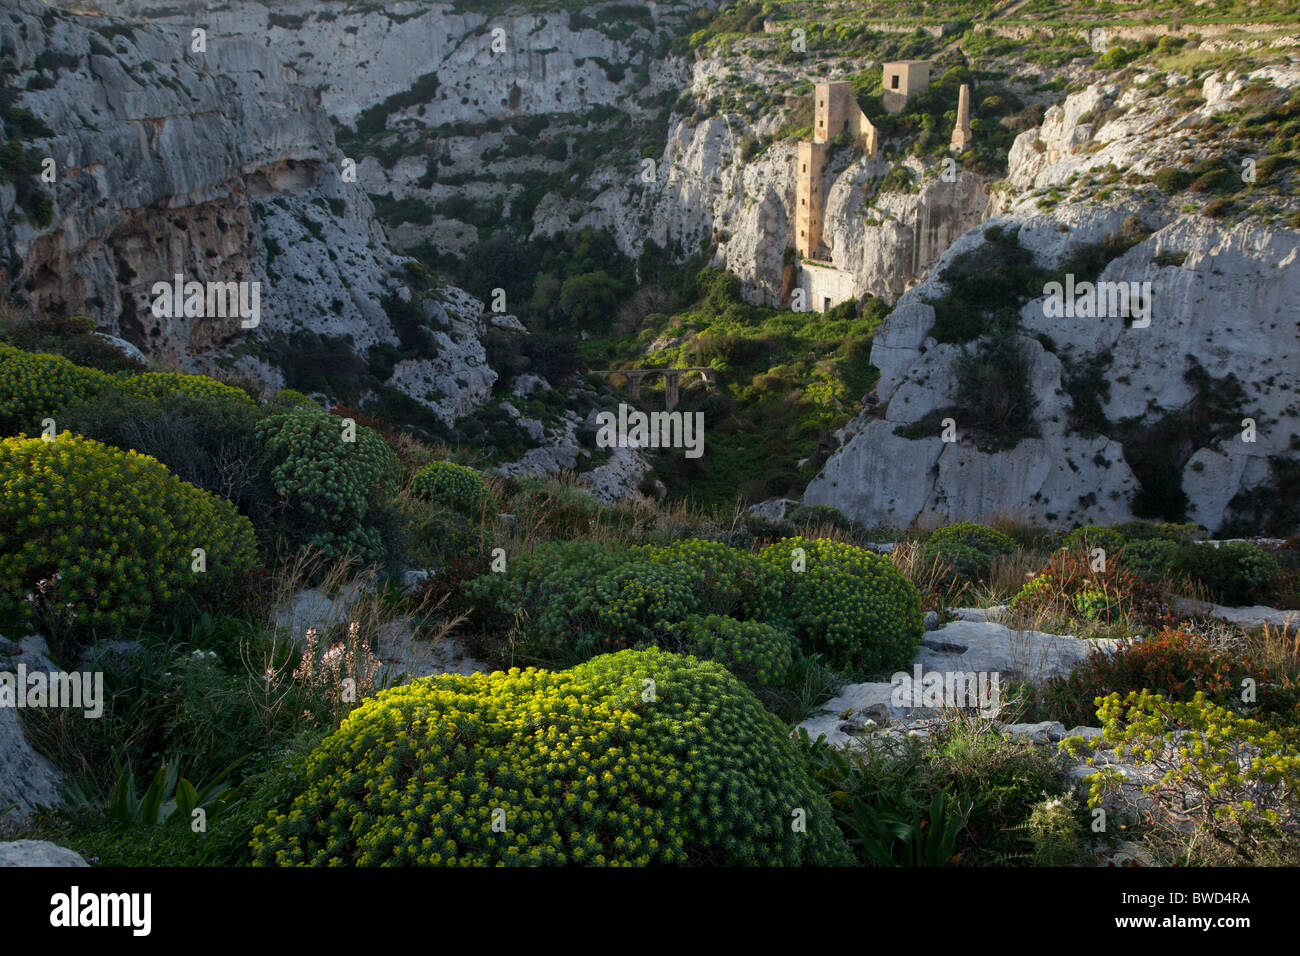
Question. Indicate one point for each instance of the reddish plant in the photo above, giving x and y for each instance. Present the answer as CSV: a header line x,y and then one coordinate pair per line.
x,y
1173,663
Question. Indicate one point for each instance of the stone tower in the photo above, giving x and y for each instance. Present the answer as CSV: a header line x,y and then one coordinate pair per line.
x,y
903,79
961,135
809,200
835,111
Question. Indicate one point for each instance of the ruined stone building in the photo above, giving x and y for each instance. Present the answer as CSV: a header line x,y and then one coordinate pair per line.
x,y
835,111
902,80
819,282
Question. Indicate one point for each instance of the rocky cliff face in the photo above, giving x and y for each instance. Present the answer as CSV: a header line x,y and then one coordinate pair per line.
x,y
429,67
1222,327
216,165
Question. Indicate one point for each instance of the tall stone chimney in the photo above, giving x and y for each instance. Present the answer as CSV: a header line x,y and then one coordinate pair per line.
x,y
961,136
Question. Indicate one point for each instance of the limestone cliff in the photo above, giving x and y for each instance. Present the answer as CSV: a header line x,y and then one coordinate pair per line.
x,y
219,165
1224,298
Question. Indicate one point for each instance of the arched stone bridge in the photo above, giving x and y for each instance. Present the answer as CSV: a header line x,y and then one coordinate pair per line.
x,y
672,380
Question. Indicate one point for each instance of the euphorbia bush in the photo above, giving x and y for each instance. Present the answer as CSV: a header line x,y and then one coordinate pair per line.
x,y
850,604
759,654
34,387
158,384
328,487
118,530
977,536
1234,573
450,484
1236,777
633,758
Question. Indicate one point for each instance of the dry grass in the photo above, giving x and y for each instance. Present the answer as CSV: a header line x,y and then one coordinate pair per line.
x,y
333,652
929,573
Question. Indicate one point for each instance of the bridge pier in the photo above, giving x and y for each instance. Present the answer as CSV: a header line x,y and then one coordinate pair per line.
x,y
672,388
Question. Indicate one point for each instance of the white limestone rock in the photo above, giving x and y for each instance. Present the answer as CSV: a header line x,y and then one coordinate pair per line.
x,y
39,853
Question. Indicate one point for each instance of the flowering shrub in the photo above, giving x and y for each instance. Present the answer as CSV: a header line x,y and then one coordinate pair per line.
x,y
1239,779
977,536
633,758
327,486
1096,605
289,398
848,603
759,654
450,484
158,384
117,528
734,582
34,386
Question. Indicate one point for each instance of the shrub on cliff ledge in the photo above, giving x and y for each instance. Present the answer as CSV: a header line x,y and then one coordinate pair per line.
x,y
634,758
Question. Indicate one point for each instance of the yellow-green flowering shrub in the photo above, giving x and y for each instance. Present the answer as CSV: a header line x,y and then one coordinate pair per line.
x,y
977,536
289,398
850,604
35,386
1094,536
759,654
633,758
734,582
1237,777
158,384
328,487
116,527
450,484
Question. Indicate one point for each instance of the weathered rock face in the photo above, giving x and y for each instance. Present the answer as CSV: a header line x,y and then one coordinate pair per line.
x,y
1223,298
361,55
28,781
216,165
392,74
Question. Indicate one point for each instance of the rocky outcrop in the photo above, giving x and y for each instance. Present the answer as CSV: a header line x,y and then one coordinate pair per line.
x,y
28,781
1223,300
38,853
219,165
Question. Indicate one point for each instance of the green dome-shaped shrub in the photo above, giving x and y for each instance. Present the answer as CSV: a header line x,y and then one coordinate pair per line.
x,y
35,386
450,484
980,537
158,384
732,582
759,654
848,603
639,757
117,527
328,486
962,563
1149,558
